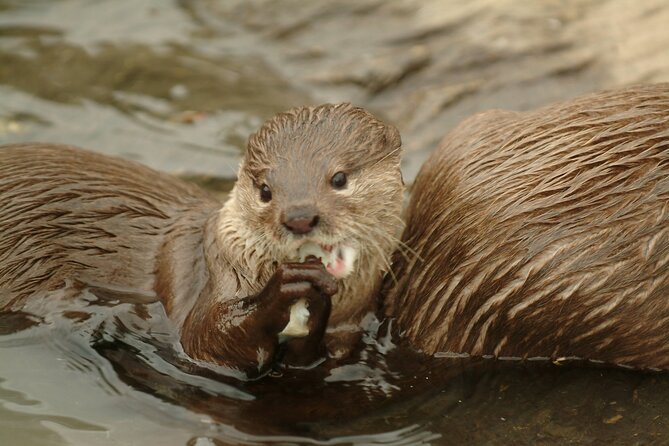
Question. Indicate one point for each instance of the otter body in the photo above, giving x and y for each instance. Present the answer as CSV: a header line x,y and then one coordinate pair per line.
x,y
70,217
544,234
227,274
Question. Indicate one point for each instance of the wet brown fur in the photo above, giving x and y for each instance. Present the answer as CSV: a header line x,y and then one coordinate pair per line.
x,y
544,234
69,215
72,218
296,154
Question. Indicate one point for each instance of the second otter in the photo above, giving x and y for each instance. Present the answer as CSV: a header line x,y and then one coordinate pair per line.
x,y
323,180
544,234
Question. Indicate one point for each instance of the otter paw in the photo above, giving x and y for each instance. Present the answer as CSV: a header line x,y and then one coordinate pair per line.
x,y
308,287
302,278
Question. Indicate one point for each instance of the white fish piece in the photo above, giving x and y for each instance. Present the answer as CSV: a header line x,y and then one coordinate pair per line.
x,y
297,324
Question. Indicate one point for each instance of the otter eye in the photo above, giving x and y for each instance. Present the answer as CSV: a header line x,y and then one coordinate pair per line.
x,y
265,193
338,180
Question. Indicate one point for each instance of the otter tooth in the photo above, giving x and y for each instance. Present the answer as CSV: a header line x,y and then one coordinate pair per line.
x,y
316,250
310,249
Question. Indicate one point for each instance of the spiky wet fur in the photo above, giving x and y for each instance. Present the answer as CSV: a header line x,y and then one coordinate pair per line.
x,y
544,233
72,218
297,153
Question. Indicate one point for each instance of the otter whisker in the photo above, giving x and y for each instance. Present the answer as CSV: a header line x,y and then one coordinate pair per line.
x,y
404,248
386,262
388,155
372,233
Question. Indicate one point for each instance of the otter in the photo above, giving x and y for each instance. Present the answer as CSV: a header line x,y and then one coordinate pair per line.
x,y
537,234
242,281
543,234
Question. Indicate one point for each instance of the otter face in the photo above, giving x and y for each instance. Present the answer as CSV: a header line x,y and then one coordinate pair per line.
x,y
323,181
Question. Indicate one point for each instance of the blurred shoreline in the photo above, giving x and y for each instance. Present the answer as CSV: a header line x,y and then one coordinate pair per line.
x,y
180,85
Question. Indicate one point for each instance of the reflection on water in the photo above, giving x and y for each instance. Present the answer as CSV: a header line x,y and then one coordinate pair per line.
x,y
179,85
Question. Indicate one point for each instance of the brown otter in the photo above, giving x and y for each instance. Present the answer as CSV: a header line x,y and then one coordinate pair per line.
x,y
537,234
322,180
544,234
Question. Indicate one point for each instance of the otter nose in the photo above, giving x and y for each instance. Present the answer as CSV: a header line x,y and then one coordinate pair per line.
x,y
300,220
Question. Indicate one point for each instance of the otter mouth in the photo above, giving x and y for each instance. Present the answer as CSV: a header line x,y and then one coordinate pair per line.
x,y
338,259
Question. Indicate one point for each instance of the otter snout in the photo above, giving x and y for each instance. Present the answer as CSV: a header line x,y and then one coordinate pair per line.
x,y
300,220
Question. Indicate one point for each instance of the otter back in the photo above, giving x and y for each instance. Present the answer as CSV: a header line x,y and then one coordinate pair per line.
x,y
71,215
544,234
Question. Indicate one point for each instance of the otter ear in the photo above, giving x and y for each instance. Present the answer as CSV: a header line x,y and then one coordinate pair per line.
x,y
392,140
256,158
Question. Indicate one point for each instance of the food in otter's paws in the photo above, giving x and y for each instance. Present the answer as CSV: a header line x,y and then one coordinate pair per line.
x,y
297,324
338,261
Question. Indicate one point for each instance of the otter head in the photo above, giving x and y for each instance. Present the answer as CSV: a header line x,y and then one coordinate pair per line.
x,y
323,181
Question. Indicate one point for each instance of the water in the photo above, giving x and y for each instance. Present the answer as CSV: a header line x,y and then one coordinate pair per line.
x,y
179,85
95,373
